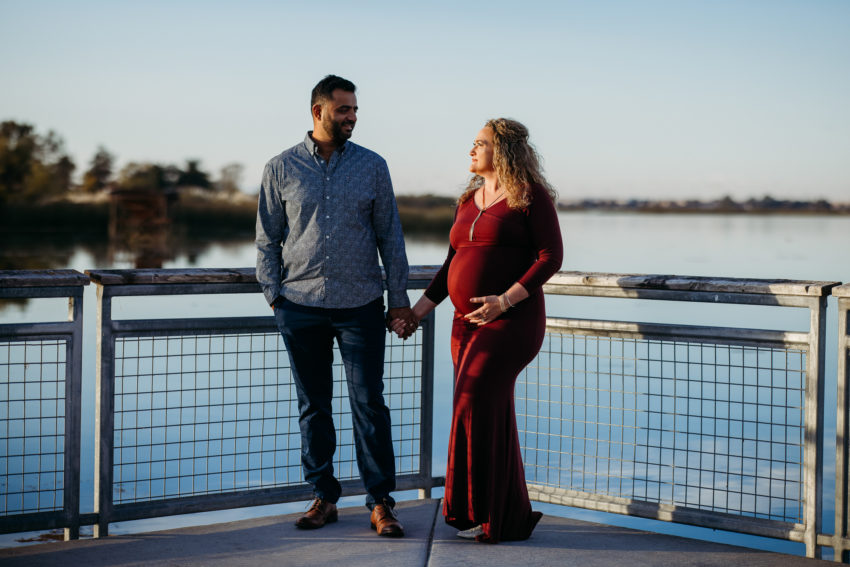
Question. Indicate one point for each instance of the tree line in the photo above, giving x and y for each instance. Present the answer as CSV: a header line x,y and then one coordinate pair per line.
x,y
35,167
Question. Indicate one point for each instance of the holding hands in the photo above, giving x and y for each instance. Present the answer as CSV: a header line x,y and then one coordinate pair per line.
x,y
402,321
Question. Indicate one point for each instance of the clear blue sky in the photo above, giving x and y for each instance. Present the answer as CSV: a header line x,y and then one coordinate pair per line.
x,y
648,98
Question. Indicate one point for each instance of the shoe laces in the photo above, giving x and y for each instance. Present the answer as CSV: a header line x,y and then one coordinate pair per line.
x,y
317,505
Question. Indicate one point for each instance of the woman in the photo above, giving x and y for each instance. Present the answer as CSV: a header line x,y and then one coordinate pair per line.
x,y
505,244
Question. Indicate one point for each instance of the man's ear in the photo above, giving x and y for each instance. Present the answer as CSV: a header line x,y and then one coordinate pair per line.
x,y
316,111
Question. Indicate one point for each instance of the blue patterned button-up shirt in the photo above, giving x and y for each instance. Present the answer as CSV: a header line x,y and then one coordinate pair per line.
x,y
321,225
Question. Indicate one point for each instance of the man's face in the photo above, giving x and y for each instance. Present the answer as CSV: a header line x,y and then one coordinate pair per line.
x,y
339,114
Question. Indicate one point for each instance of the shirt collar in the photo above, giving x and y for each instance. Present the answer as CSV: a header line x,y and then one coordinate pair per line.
x,y
313,148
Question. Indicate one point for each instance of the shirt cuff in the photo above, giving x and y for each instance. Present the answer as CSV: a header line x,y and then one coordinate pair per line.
x,y
271,294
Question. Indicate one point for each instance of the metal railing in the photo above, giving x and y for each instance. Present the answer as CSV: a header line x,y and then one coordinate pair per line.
x,y
841,540
713,426
717,426
200,414
40,377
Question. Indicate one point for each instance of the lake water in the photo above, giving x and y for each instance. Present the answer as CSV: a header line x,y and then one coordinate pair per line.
x,y
781,247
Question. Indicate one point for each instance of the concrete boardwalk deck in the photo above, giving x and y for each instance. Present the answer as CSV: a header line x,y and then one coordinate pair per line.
x,y
429,542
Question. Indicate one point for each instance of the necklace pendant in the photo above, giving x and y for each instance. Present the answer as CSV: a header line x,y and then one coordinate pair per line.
x,y
472,226
484,207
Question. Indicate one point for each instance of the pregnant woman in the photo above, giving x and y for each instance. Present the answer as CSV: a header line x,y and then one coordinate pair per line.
x,y
504,245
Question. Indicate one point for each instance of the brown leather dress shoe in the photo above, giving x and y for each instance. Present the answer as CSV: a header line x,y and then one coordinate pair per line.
x,y
384,521
320,513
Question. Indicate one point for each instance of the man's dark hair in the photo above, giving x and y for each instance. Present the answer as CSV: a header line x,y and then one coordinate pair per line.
x,y
324,89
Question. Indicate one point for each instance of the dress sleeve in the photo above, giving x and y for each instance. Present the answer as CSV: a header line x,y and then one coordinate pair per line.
x,y
545,240
438,289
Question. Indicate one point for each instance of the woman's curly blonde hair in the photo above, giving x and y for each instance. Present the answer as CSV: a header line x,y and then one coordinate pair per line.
x,y
516,163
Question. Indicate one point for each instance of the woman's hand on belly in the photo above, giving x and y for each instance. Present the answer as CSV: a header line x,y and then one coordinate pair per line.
x,y
490,310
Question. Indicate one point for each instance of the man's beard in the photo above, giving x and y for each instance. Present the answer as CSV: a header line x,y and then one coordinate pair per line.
x,y
334,129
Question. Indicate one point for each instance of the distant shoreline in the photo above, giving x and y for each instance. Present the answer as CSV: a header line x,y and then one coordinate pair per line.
x,y
424,210
660,211
726,206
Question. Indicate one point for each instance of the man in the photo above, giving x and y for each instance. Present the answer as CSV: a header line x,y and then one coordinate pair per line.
x,y
326,209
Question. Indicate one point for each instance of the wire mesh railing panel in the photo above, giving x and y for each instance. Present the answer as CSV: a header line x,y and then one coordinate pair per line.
x,y
210,414
32,425
705,425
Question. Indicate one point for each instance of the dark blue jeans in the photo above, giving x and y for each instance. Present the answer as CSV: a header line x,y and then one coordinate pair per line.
x,y
308,333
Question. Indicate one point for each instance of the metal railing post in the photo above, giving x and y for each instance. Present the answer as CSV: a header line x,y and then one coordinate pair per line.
x,y
104,412
842,431
427,411
73,412
813,435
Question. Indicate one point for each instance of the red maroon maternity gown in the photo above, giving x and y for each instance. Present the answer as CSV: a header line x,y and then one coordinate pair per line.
x,y
485,481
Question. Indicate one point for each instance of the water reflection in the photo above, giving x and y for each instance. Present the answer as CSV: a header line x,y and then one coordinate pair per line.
x,y
140,226
139,234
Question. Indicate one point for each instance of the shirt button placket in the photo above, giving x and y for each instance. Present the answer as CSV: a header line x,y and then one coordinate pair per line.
x,y
327,227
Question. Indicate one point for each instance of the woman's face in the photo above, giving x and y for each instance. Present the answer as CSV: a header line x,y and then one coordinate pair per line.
x,y
482,152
